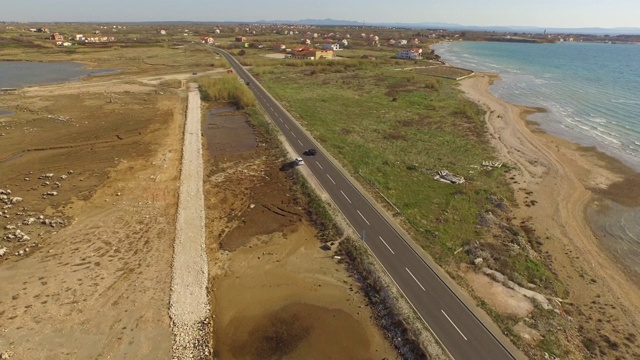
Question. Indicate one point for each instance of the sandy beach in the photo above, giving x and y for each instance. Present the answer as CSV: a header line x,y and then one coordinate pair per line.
x,y
567,181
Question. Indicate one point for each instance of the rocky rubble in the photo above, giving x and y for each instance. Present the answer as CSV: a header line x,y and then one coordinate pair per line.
x,y
21,225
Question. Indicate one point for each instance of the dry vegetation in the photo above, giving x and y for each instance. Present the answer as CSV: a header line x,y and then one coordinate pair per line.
x,y
378,121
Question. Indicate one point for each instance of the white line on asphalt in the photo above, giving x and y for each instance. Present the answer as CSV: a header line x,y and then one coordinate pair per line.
x,y
363,218
454,325
294,135
321,167
279,118
345,196
414,278
300,143
331,179
287,126
384,242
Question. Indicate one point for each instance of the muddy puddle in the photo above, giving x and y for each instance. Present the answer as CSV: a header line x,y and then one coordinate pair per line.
x,y
228,132
294,331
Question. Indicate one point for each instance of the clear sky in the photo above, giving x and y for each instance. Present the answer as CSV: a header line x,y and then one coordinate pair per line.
x,y
543,13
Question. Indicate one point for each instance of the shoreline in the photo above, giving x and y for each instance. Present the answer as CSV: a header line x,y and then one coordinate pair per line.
x,y
568,181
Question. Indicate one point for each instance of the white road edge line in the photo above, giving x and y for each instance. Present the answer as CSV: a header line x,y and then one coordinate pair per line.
x,y
363,218
331,179
321,167
345,196
414,278
454,325
387,245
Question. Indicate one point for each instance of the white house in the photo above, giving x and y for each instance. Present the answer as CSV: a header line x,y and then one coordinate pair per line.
x,y
343,42
333,47
410,53
401,42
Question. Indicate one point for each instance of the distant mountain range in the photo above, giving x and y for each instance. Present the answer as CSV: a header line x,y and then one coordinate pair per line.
x,y
450,26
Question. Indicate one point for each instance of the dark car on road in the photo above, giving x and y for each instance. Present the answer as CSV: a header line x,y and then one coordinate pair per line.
x,y
311,152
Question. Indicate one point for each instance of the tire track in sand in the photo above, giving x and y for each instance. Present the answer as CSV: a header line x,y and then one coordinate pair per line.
x,y
189,307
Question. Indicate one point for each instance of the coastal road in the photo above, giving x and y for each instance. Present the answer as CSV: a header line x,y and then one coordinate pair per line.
x,y
459,330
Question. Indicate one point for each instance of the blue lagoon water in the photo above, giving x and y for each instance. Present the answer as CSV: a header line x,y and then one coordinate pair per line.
x,y
590,90
16,74
592,95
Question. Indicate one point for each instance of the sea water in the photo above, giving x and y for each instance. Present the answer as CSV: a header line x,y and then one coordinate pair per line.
x,y
591,92
16,74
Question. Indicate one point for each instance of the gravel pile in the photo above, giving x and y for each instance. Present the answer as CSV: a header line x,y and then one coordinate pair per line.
x,y
189,306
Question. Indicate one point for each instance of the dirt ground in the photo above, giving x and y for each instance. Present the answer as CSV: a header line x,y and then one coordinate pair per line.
x,y
274,291
92,278
603,304
94,282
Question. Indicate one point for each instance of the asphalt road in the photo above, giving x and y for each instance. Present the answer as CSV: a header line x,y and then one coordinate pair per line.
x,y
457,328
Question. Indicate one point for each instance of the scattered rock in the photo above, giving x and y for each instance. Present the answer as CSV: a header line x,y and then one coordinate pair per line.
x,y
478,261
3,250
492,164
539,298
445,176
527,334
15,200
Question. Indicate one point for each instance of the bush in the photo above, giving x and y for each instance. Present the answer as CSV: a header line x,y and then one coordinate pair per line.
x,y
228,88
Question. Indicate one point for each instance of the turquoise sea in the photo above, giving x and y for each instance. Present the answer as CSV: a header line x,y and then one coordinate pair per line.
x,y
592,95
590,90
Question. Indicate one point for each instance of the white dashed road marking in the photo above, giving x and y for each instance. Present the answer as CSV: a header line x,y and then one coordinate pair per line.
x,y
414,278
454,325
363,218
387,245
331,179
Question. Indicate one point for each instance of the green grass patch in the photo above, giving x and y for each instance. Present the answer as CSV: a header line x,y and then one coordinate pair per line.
x,y
397,132
227,88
